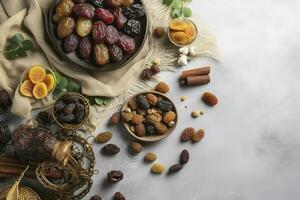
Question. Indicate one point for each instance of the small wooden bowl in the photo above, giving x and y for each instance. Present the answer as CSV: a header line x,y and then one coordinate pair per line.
x,y
182,45
72,126
151,138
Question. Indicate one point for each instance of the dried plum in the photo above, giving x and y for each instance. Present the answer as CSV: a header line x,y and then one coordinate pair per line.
x,y
97,3
126,43
165,105
85,47
71,43
142,102
112,35
150,129
135,11
115,53
132,27
120,19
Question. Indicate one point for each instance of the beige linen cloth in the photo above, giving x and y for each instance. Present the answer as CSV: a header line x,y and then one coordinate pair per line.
x,y
26,17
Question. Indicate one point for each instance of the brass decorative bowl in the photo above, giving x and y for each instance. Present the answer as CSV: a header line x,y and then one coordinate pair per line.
x,y
72,126
73,59
25,193
151,138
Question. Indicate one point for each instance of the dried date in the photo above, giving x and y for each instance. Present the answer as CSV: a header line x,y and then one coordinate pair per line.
x,y
84,10
99,31
71,43
105,15
65,27
112,35
101,54
120,19
63,9
126,43
85,47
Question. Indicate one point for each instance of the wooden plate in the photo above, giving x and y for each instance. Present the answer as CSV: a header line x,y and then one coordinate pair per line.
x,y
73,58
151,138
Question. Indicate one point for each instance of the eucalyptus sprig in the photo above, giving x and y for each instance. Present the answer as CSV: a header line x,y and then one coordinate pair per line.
x,y
179,8
17,47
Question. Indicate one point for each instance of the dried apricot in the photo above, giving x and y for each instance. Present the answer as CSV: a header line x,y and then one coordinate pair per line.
x,y
178,25
40,91
49,81
26,88
179,37
157,168
190,32
37,74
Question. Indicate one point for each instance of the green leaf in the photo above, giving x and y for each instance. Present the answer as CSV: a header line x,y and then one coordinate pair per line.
x,y
187,12
73,86
187,1
27,45
57,76
11,51
167,2
22,52
58,92
17,39
176,13
107,100
63,83
176,4
99,101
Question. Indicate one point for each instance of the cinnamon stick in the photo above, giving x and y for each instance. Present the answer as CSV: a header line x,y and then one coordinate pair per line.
x,y
195,80
195,72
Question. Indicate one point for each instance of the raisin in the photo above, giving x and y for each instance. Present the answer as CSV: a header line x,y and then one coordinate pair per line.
x,y
97,3
134,11
165,105
150,129
115,53
5,100
114,176
112,35
110,149
85,47
84,10
142,102
119,196
126,43
146,74
71,43
132,27
120,19
99,31
105,15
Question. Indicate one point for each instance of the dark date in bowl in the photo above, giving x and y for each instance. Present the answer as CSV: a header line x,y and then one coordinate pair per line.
x,y
77,57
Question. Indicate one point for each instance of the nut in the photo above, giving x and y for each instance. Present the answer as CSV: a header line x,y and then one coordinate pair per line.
x,y
169,117
209,98
136,147
127,116
159,32
154,118
187,133
162,87
184,157
157,168
195,114
150,157
149,111
198,135
104,137
161,128
115,118
152,99
140,130
137,119
132,104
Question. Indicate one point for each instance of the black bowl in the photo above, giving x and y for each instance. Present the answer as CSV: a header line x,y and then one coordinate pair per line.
x,y
74,59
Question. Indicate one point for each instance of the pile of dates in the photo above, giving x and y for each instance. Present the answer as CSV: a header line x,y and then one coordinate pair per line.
x,y
149,114
70,109
99,30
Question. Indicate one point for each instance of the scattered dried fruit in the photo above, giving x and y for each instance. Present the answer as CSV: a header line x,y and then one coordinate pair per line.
x,y
175,168
183,98
184,157
104,137
159,32
157,168
198,135
115,118
136,147
114,176
162,87
96,197
209,98
195,114
150,157
119,196
110,149
187,133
